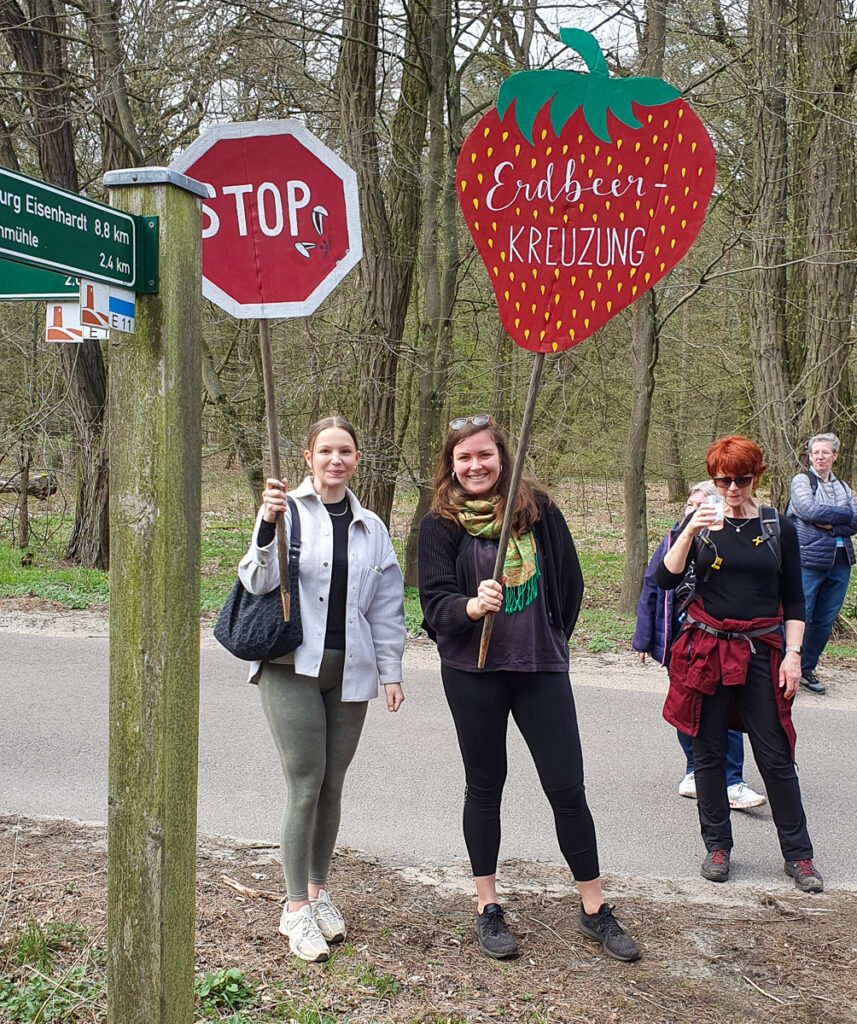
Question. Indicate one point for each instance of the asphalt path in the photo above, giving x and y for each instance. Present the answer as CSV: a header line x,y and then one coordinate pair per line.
x,y
404,791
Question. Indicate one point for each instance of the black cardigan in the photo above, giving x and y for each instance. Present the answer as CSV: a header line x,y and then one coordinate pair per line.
x,y
442,570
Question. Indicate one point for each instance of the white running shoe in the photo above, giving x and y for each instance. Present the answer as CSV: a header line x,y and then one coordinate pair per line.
x,y
687,786
742,798
330,922
305,938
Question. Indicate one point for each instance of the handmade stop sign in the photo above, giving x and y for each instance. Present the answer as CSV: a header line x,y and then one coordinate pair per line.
x,y
282,225
581,192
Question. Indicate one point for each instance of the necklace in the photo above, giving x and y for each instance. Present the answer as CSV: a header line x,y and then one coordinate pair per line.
x,y
737,529
344,512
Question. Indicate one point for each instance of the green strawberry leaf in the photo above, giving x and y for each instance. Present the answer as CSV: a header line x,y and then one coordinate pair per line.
x,y
568,91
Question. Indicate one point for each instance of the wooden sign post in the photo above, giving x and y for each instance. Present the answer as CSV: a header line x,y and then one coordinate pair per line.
x,y
155,443
581,192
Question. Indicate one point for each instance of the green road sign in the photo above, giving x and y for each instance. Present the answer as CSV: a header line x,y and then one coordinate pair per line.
x,y
49,227
19,282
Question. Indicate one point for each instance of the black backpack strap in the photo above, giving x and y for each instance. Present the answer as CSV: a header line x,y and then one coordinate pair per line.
x,y
294,533
769,518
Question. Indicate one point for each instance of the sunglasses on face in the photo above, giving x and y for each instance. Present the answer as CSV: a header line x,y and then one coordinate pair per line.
x,y
739,481
480,420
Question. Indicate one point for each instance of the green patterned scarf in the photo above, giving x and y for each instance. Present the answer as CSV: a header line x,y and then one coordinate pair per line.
x,y
521,564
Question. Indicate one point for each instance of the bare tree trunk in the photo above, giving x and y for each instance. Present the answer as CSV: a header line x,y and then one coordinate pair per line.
x,y
644,355
439,268
831,273
23,505
775,413
644,350
390,229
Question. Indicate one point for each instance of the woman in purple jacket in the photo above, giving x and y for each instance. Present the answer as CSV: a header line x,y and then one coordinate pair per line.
x,y
658,622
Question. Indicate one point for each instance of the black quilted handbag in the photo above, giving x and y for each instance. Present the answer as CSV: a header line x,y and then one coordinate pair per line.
x,y
251,626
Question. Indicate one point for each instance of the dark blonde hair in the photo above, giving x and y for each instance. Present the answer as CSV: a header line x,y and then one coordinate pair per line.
x,y
450,496
327,422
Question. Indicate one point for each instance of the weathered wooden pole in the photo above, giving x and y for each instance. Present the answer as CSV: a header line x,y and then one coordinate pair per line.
x,y
514,483
155,440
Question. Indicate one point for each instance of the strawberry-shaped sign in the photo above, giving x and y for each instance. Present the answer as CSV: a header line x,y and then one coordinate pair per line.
x,y
581,192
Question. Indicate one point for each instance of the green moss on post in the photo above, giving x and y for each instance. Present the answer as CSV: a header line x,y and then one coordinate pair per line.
x,y
155,432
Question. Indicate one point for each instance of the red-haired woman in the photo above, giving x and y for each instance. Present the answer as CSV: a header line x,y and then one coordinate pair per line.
x,y
526,670
729,660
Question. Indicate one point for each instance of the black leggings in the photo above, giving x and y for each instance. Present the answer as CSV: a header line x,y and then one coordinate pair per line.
x,y
543,708
757,705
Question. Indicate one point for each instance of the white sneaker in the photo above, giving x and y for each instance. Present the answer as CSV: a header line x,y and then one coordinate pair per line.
x,y
742,798
330,922
687,786
305,938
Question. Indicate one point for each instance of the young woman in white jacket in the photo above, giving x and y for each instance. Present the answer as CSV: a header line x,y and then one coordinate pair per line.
x,y
315,699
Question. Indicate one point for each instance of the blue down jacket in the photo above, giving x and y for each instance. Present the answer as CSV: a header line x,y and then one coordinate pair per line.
x,y
653,634
817,545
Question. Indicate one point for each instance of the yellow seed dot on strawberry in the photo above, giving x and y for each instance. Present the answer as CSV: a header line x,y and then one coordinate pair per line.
x,y
490,243
695,204
556,299
609,160
564,149
517,211
618,168
663,228
550,209
554,346
583,158
463,184
666,124
651,213
580,207
684,223
490,151
547,316
486,133
506,293
693,147
607,204
586,322
518,306
505,136
633,290
657,249
582,294
598,285
662,267
618,143
496,271
565,218
558,324
574,314
699,172
686,189
654,139
590,272
518,149
579,139
633,271
647,278
672,243
542,289
636,147
573,280
665,146
619,286
672,208
475,204
523,286
681,111
549,150
512,276
594,218
637,204
517,322
647,160
533,163
592,304
649,119
621,215
544,134
684,172
527,334
597,150
609,306
535,273
533,309
476,225
479,178
473,158
542,335
571,334
609,274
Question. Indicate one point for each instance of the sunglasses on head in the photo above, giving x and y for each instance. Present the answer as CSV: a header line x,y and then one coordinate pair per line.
x,y
480,420
739,481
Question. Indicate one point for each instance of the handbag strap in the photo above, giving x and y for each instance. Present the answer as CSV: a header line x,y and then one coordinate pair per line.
x,y
294,534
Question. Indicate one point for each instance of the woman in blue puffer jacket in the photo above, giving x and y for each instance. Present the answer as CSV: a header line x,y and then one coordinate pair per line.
x,y
658,621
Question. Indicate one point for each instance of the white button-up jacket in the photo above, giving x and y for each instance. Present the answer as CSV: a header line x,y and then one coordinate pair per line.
x,y
374,606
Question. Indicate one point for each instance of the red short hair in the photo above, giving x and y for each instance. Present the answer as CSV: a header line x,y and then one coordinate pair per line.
x,y
735,455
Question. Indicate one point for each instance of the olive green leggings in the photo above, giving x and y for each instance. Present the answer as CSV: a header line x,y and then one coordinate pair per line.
x,y
316,734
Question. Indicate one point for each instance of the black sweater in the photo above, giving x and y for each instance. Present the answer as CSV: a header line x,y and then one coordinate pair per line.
x,y
441,573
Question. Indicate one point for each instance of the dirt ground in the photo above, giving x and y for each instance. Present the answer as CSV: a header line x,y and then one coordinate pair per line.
x,y
710,955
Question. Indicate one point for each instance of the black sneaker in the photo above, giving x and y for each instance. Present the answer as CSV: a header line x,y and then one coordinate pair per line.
x,y
810,681
805,874
493,933
604,927
715,867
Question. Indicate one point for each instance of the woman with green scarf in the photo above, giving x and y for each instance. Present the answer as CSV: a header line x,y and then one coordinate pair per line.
x,y
526,669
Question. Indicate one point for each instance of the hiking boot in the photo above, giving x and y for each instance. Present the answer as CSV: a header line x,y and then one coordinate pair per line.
x,y
810,681
305,938
604,928
805,874
330,922
742,798
493,933
687,786
715,867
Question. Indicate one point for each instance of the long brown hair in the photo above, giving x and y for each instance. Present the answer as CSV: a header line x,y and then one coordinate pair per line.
x,y
450,496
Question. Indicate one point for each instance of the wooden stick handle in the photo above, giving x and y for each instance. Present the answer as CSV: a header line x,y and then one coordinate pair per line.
x,y
274,448
514,483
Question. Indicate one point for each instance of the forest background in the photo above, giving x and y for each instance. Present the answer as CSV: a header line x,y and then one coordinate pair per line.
x,y
752,332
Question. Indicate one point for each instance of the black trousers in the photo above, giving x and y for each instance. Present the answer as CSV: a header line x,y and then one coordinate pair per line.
x,y
758,708
543,708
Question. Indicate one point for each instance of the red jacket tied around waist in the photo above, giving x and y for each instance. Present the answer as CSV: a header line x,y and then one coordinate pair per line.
x,y
701,661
